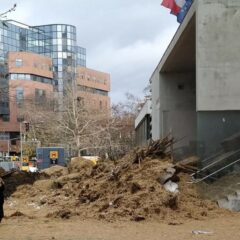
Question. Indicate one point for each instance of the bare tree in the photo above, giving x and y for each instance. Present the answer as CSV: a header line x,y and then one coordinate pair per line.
x,y
108,133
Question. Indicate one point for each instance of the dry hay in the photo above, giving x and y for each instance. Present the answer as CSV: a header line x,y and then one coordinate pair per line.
x,y
121,190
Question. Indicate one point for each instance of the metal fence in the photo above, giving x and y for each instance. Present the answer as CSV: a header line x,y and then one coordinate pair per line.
x,y
9,165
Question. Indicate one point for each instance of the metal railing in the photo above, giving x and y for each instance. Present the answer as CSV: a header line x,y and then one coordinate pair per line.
x,y
7,166
217,171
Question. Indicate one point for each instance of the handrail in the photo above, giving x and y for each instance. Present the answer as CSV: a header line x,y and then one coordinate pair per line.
x,y
219,170
213,163
213,156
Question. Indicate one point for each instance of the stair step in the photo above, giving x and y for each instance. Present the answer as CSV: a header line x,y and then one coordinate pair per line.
x,y
233,205
238,192
224,203
233,197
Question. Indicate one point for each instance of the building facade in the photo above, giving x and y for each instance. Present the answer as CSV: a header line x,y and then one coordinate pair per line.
x,y
195,87
30,78
40,62
143,128
93,87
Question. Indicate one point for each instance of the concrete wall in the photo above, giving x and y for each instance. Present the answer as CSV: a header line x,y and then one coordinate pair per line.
x,y
143,127
174,106
146,109
143,131
156,114
218,72
178,106
213,127
218,55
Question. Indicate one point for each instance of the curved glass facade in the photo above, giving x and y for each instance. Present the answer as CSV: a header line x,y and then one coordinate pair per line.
x,y
16,37
62,51
57,41
65,53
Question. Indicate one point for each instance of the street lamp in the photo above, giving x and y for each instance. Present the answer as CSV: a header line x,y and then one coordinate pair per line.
x,y
26,129
20,142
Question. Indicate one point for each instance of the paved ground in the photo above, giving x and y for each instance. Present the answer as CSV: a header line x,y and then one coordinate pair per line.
x,y
27,229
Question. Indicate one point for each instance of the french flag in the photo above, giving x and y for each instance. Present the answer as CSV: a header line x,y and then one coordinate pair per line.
x,y
178,7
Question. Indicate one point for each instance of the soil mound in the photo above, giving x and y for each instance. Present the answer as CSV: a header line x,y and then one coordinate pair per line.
x,y
54,171
80,165
18,179
114,191
2,171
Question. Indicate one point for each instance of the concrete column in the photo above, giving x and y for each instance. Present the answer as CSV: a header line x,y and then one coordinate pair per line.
x,y
217,72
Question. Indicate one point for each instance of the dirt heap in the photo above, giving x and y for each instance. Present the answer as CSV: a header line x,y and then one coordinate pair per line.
x,y
2,171
110,191
17,179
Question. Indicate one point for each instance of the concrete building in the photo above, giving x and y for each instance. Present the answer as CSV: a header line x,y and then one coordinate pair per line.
x,y
196,87
40,62
143,128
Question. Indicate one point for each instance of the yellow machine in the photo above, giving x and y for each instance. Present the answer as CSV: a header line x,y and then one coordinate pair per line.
x,y
14,158
25,164
93,159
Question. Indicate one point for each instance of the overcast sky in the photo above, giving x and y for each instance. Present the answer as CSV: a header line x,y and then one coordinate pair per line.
x,y
125,38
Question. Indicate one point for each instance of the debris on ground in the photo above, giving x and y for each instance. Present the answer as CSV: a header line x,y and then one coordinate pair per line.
x,y
160,148
200,232
2,171
155,189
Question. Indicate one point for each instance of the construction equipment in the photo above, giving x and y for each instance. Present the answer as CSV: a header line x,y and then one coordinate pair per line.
x,y
93,159
33,165
25,163
50,156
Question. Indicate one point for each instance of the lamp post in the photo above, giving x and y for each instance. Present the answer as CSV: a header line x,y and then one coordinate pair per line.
x,y
20,142
9,147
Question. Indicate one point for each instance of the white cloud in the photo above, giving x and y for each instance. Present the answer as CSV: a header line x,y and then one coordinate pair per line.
x,y
132,65
123,37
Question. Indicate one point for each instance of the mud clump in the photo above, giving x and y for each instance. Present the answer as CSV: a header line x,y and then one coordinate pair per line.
x,y
64,214
55,171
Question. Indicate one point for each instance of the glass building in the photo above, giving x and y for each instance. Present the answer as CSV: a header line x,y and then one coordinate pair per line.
x,y
39,63
57,41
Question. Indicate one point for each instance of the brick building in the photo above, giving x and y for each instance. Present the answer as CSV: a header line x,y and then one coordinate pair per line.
x,y
38,63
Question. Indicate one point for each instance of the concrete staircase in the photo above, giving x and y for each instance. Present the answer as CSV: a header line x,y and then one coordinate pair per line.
x,y
217,166
224,190
231,202
220,175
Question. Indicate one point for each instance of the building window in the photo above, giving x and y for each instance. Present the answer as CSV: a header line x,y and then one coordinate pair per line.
x,y
4,136
92,90
5,118
40,96
18,62
20,118
19,96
